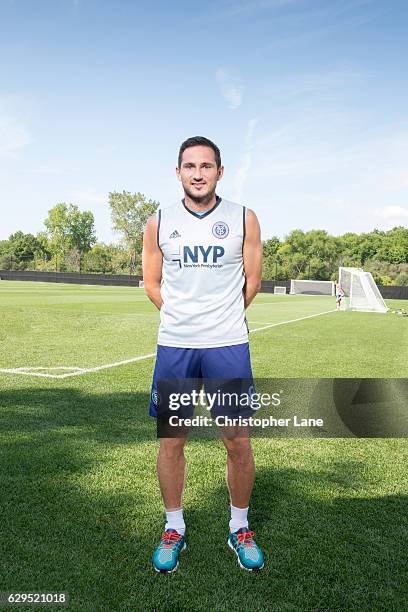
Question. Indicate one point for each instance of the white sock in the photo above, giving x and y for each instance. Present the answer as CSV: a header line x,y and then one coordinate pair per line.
x,y
175,520
239,518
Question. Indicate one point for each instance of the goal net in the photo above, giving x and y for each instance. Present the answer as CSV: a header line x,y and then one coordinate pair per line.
x,y
141,283
360,291
279,290
311,287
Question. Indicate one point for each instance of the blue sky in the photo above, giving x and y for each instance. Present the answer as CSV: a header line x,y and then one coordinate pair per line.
x,y
307,100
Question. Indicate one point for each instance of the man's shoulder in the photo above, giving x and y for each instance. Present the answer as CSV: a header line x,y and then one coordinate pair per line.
x,y
233,206
169,209
231,203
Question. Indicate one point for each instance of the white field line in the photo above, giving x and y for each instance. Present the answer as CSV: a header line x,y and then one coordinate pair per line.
x,y
256,322
282,300
79,371
50,368
268,325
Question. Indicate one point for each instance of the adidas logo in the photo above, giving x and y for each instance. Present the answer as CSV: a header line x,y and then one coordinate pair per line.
x,y
175,234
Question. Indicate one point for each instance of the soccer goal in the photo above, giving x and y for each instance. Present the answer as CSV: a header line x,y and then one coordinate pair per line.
x,y
279,290
311,287
360,291
141,283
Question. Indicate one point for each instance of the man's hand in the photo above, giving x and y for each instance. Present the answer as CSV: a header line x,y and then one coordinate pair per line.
x,y
252,254
152,259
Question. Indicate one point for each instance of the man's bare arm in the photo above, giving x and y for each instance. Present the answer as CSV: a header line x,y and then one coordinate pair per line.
x,y
152,263
252,253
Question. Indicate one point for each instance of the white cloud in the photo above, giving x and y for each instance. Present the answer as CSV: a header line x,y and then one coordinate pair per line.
x,y
231,87
241,176
393,212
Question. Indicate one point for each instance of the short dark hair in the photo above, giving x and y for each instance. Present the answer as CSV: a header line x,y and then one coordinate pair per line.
x,y
195,141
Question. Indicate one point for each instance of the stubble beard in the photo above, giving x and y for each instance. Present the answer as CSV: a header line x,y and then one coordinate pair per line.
x,y
203,199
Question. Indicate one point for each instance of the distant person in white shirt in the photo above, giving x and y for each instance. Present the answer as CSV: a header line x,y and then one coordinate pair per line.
x,y
339,294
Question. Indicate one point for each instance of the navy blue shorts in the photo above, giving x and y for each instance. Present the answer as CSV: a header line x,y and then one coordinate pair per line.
x,y
183,370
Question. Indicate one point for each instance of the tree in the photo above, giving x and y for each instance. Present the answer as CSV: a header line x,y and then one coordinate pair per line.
x,y
82,231
269,257
305,255
270,246
68,228
119,259
72,260
24,248
99,259
129,214
45,252
5,254
57,230
395,246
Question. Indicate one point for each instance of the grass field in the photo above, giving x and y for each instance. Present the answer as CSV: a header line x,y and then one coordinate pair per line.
x,y
80,505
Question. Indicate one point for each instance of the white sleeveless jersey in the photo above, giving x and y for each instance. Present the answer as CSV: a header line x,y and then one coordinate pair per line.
x,y
202,276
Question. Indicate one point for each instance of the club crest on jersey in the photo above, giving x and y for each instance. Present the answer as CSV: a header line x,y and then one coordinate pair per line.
x,y
220,229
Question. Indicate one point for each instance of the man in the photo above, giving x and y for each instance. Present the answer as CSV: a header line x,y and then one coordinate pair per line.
x,y
339,294
202,262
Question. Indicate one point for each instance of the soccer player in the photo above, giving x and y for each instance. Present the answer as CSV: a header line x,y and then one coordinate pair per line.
x,y
202,260
339,294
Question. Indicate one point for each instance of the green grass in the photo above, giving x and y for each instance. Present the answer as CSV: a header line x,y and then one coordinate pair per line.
x,y
80,505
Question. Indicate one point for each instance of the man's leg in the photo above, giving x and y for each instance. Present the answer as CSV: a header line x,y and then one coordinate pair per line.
x,y
230,368
171,470
240,469
240,475
172,364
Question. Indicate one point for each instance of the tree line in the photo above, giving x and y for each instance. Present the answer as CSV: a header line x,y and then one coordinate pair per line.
x,y
316,254
69,243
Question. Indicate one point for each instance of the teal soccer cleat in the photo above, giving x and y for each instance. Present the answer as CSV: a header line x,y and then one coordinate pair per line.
x,y
249,555
166,556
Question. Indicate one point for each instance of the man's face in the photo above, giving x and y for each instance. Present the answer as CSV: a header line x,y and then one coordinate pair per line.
x,y
199,173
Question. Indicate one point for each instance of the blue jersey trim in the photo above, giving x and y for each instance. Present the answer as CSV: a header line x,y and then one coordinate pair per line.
x,y
206,212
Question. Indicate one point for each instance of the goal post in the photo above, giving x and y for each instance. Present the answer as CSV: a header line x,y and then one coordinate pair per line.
x,y
311,287
279,290
360,291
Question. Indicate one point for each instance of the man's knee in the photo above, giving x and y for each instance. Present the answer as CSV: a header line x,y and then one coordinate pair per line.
x,y
172,448
238,448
